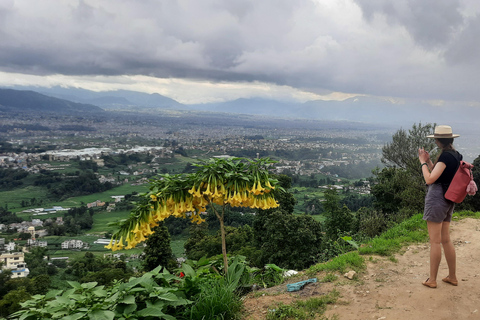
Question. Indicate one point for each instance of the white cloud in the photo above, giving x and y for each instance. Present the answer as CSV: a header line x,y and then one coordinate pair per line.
x,y
225,49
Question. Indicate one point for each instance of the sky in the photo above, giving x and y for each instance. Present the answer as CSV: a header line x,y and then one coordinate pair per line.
x,y
198,51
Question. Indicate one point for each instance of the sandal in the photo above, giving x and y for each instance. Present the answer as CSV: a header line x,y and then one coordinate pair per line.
x,y
452,282
429,284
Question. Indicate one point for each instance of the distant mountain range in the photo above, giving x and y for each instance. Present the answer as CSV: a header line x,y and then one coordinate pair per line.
x,y
358,109
30,101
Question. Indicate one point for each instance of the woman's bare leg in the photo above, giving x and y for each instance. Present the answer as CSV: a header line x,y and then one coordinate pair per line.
x,y
449,251
435,234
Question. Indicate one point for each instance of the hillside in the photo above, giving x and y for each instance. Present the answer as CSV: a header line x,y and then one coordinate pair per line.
x,y
392,289
30,101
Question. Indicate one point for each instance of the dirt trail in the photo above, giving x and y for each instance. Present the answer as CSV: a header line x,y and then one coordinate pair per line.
x,y
393,290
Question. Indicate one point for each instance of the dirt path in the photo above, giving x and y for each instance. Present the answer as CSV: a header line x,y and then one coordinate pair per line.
x,y
393,290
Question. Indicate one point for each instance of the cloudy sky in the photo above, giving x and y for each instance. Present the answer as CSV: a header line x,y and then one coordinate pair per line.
x,y
214,50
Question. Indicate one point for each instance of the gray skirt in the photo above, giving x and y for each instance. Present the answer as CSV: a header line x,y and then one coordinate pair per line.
x,y
437,208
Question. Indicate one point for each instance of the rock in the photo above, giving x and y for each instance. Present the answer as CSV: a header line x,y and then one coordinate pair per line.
x,y
350,275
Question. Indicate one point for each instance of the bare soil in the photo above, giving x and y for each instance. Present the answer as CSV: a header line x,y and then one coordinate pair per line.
x,y
393,290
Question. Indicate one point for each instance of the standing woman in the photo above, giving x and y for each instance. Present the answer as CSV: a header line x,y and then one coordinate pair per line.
x,y
438,211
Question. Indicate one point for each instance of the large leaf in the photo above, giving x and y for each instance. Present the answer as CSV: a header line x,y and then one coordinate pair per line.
x,y
101,315
154,312
128,300
52,293
75,316
89,285
75,284
188,270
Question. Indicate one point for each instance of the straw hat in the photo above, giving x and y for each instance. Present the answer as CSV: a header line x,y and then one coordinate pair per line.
x,y
443,132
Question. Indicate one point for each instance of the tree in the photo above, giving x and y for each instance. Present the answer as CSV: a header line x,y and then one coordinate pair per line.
x,y
338,220
216,184
291,241
36,262
400,186
402,152
11,301
158,251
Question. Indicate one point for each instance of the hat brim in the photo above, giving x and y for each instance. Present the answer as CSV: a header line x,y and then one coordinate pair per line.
x,y
439,136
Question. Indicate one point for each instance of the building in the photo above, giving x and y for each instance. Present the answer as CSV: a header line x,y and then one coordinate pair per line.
x,y
72,244
15,262
10,246
36,243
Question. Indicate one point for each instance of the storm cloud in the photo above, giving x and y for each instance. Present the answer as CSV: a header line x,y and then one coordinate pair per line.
x,y
424,49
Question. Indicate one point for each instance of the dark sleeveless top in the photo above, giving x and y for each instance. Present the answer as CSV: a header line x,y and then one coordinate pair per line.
x,y
451,159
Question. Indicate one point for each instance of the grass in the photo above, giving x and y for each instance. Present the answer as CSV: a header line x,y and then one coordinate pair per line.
x,y
350,260
101,220
412,230
14,198
303,309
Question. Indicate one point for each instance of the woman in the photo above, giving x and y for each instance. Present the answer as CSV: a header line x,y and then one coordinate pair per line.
x,y
438,211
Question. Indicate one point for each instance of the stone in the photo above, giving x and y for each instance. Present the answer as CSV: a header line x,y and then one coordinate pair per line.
x,y
350,275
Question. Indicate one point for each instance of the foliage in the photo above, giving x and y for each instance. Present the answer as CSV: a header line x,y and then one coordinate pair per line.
x,y
233,182
215,297
239,241
289,241
84,183
350,260
303,309
36,262
7,217
371,223
158,251
10,178
398,191
12,300
148,297
400,185
339,221
271,275
403,150
102,270
408,231
355,202
216,301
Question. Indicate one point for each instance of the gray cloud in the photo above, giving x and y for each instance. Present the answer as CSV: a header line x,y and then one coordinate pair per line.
x,y
430,22
405,48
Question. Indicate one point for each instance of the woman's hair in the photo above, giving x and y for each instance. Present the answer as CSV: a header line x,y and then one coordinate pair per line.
x,y
447,144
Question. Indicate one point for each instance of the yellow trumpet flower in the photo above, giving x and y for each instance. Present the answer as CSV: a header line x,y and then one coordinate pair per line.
x,y
110,244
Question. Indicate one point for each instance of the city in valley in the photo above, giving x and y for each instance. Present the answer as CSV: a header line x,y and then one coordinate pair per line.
x,y
126,149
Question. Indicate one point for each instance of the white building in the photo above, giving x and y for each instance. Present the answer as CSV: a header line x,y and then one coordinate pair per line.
x,y
16,263
10,246
36,243
72,244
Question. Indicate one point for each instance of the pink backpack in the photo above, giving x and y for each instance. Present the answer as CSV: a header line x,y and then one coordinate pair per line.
x,y
462,183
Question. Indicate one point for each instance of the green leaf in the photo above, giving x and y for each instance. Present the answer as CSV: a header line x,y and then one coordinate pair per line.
x,y
53,293
188,270
89,285
74,284
152,312
75,316
101,315
99,292
130,308
128,300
